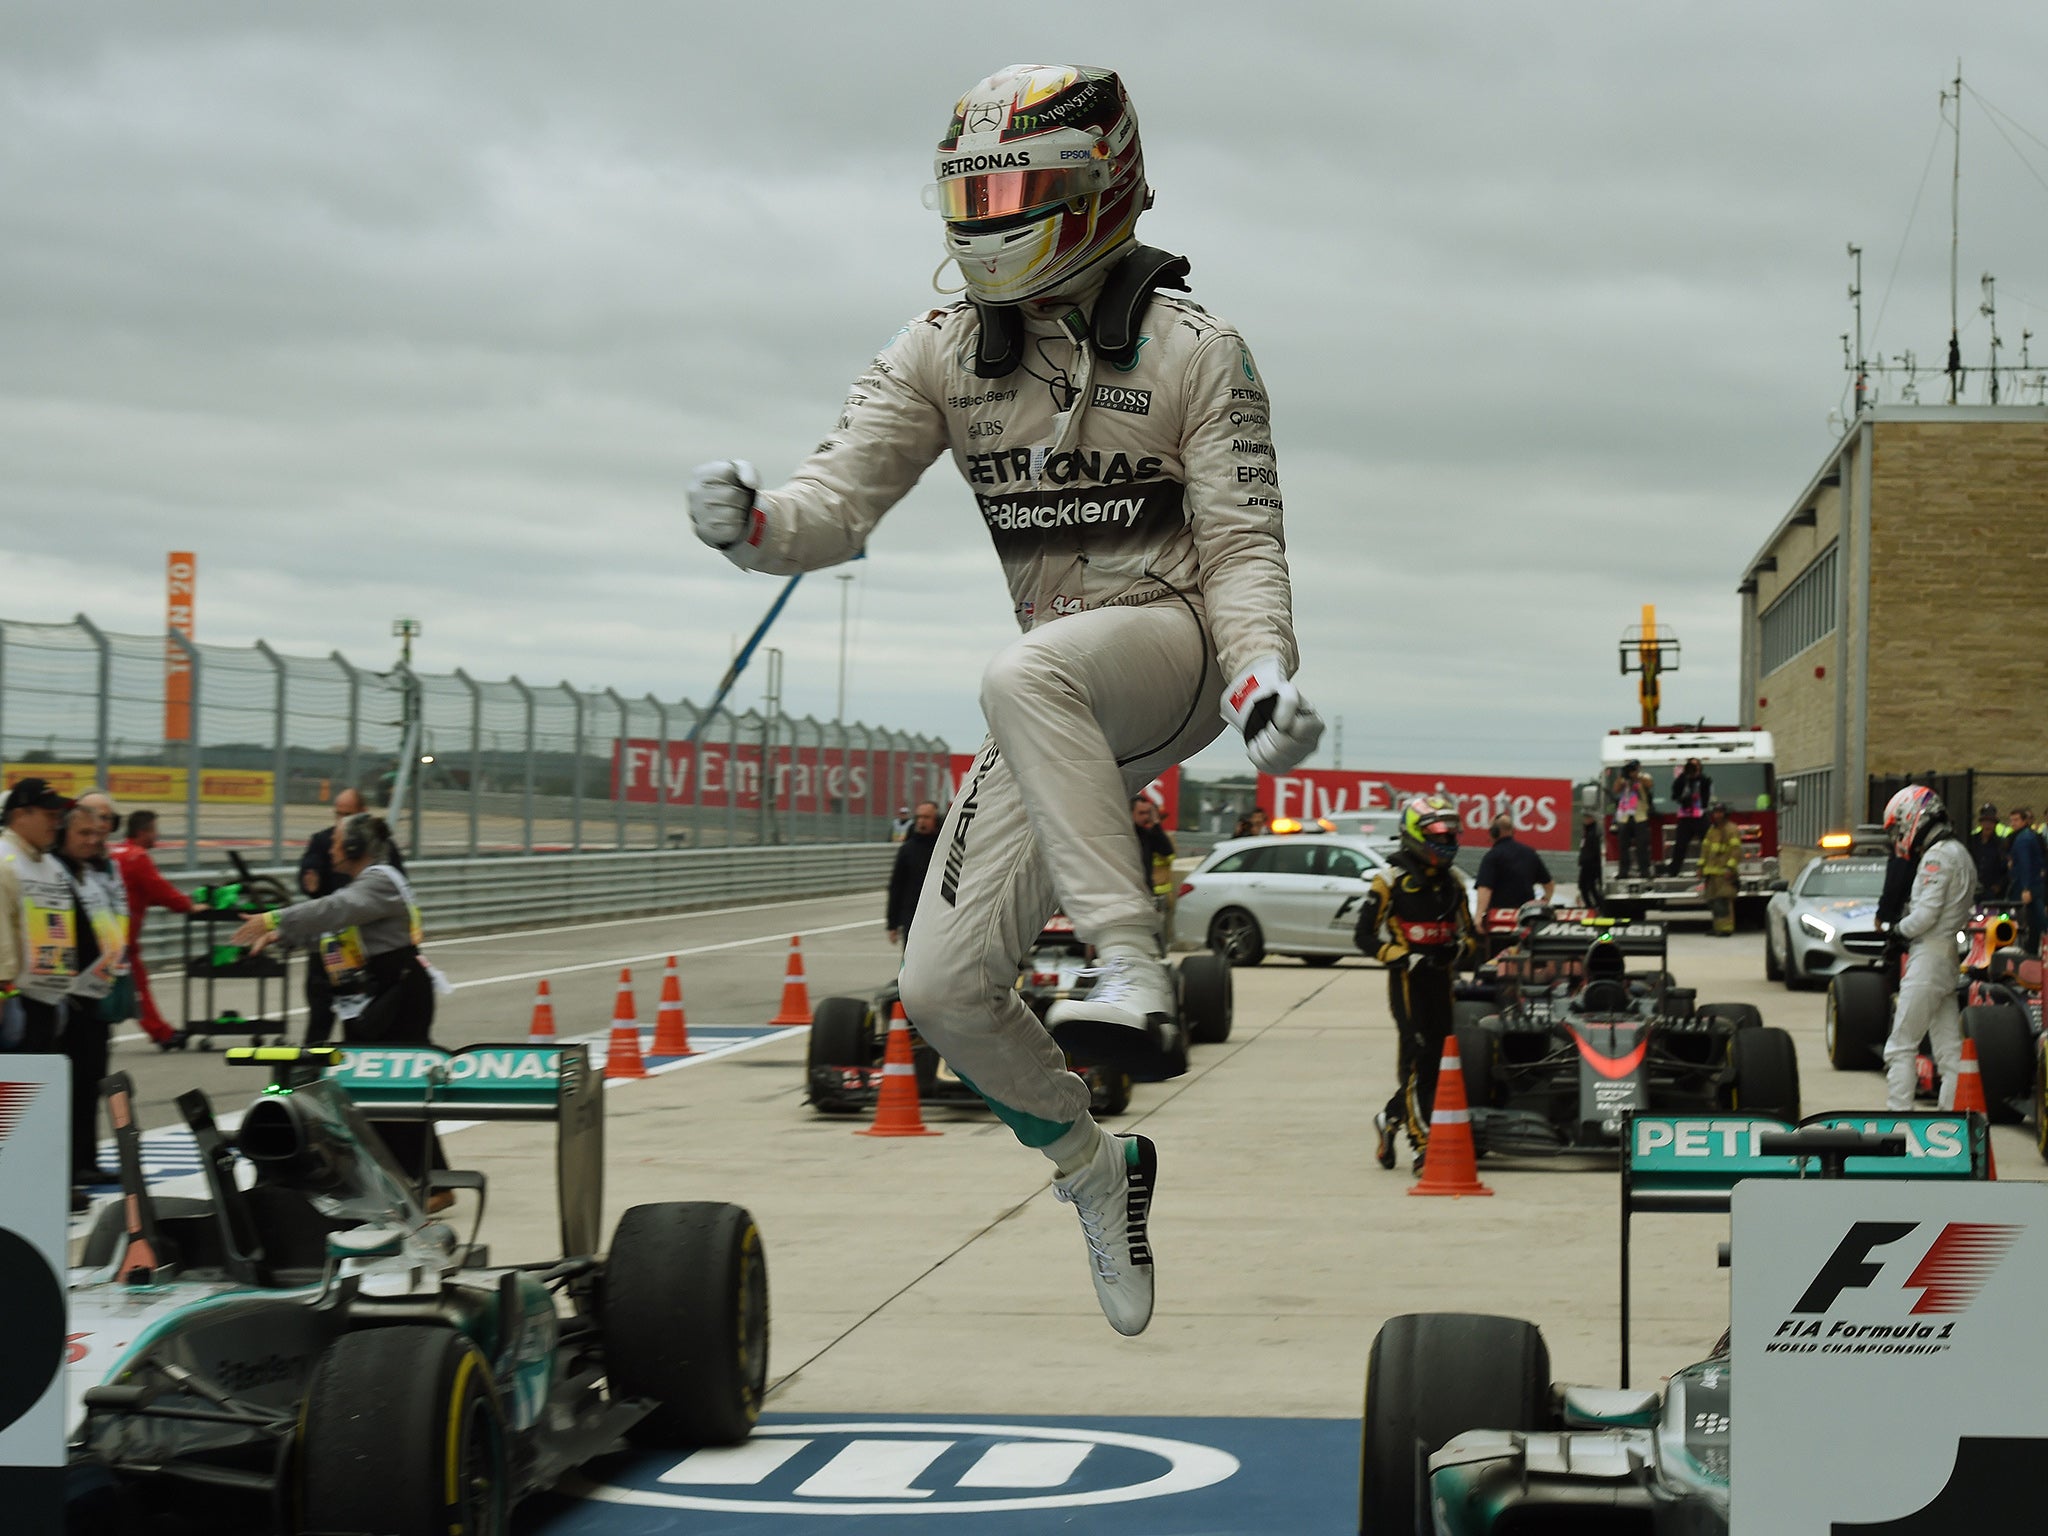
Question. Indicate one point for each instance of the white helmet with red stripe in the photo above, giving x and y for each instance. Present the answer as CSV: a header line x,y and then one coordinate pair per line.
x,y
1040,176
1912,818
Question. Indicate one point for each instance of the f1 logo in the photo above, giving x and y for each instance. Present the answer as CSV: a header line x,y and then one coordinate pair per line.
x,y
1849,1266
1949,1276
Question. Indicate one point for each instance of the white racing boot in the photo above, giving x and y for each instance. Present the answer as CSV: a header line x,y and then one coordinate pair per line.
x,y
1125,1020
1113,1196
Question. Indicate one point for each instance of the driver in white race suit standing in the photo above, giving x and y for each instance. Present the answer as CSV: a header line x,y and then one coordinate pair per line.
x,y
1117,440
1944,886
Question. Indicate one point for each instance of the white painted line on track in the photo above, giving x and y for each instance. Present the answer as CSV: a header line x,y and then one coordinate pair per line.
x,y
658,917
716,1047
660,954
132,1035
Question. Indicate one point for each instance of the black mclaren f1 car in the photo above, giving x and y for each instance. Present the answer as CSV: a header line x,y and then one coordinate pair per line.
x,y
1579,1023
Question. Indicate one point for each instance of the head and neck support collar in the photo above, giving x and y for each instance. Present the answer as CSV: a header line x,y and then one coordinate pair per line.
x,y
1112,326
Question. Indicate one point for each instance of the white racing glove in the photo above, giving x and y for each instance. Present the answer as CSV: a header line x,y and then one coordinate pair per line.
x,y
1279,727
722,510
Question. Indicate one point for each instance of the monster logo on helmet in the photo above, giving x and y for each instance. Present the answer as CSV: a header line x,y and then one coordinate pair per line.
x,y
1040,177
1429,829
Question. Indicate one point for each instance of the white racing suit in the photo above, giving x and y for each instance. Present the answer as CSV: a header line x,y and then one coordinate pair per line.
x,y
1944,887
1137,516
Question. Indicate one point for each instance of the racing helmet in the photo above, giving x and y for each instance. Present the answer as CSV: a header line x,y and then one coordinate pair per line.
x,y
1040,176
1429,829
1911,818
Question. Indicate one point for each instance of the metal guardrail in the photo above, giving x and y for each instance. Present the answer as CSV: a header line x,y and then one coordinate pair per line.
x,y
470,895
226,743
463,895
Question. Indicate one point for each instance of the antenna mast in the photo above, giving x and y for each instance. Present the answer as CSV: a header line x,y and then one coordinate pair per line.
x,y
1955,219
1856,299
1989,310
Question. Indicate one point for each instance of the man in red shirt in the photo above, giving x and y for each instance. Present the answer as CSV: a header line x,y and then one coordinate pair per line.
x,y
146,888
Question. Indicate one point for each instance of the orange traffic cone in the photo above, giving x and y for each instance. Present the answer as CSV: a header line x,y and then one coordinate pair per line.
x,y
896,1110
622,1055
671,1028
1970,1099
796,997
1451,1168
543,1015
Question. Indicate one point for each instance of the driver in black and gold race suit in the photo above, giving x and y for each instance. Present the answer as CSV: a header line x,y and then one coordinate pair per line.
x,y
1118,442
1417,922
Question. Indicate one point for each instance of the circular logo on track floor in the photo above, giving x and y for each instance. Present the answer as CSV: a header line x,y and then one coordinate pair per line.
x,y
895,1467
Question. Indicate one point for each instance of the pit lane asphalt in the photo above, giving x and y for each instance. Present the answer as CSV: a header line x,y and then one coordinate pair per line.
x,y
731,961
939,1276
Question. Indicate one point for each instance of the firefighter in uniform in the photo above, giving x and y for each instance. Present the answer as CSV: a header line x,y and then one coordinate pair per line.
x,y
1417,922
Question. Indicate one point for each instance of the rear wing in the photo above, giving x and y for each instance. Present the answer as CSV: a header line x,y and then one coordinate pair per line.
x,y
1509,919
1692,1162
496,1082
1568,941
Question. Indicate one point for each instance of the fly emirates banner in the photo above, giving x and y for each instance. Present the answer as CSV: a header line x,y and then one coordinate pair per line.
x,y
1542,808
1163,791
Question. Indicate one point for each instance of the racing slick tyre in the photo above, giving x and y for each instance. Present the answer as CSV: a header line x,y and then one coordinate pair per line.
x,y
1319,961
1774,969
2041,1098
1738,1015
1109,1091
840,1037
1433,1375
1763,1074
1859,1016
1207,998
685,1321
1235,934
1470,1010
401,1434
1475,1060
2005,1058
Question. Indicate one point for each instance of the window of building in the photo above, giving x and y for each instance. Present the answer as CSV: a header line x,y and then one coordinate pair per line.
x,y
1802,613
1800,826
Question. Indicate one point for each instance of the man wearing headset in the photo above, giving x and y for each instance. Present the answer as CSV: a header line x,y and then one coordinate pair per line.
x,y
367,937
1117,439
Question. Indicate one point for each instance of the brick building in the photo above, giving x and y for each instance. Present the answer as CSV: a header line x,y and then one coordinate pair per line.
x,y
1896,619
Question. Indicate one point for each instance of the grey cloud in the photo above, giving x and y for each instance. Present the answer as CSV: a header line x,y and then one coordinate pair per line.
x,y
396,308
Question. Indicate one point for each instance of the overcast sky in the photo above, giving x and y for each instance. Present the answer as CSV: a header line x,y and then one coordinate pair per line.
x,y
430,309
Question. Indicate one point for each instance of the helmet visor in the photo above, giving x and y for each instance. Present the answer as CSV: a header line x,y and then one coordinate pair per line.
x,y
1439,837
1005,194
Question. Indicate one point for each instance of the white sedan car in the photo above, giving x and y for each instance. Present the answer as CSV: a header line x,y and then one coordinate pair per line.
x,y
1293,894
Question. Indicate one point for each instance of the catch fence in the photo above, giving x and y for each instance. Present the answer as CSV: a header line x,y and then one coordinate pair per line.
x,y
242,747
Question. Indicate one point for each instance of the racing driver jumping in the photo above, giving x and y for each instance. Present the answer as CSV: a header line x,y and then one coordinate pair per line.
x,y
1117,440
